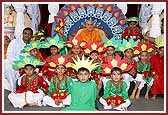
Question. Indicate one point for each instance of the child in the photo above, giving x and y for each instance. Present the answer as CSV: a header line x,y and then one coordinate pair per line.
x,y
94,50
157,67
112,47
33,49
115,93
83,92
76,48
31,86
132,31
60,32
127,48
58,95
54,44
143,68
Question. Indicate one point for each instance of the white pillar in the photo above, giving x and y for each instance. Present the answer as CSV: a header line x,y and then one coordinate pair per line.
x,y
155,29
20,9
33,11
123,7
145,13
53,9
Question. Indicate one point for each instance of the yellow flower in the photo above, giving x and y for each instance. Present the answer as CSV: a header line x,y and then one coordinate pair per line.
x,y
150,49
143,47
114,63
75,41
107,70
87,51
83,44
52,64
123,66
136,52
128,45
61,60
100,49
94,46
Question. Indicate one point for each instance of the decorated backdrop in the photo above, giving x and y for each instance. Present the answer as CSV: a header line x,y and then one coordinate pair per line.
x,y
105,16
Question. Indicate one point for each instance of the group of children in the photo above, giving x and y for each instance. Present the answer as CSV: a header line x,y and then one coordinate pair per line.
x,y
77,74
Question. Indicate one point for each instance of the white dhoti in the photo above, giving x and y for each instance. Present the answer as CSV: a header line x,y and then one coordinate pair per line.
x,y
49,101
21,99
128,78
120,107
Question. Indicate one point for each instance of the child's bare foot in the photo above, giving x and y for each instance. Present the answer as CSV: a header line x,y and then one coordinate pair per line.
x,y
154,97
146,97
132,96
125,109
137,97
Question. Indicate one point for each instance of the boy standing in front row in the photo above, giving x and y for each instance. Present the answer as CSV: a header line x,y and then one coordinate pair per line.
x,y
83,92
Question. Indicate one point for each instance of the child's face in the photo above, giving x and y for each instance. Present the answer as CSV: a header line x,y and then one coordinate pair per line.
x,y
76,49
161,51
143,56
94,56
116,76
34,52
6,41
132,24
83,76
61,31
29,70
53,51
60,69
110,51
128,53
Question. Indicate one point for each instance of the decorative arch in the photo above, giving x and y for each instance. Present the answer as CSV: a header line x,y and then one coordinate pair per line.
x,y
107,16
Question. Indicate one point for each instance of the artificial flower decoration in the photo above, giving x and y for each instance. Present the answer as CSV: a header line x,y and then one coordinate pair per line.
x,y
117,100
84,63
52,41
75,41
127,44
95,76
159,43
91,46
143,47
58,95
24,60
116,62
33,44
112,42
39,35
60,24
59,60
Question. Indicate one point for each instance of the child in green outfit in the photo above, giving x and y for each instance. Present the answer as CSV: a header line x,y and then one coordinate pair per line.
x,y
115,94
83,92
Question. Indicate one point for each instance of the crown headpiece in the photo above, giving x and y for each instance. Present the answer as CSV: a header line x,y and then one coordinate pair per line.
x,y
60,24
52,41
143,47
33,44
127,44
159,43
91,46
116,62
24,60
75,41
84,63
